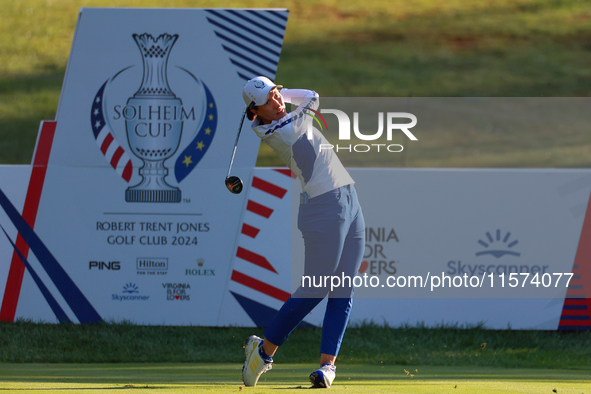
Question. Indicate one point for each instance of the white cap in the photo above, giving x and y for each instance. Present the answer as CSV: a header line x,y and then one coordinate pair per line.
x,y
256,91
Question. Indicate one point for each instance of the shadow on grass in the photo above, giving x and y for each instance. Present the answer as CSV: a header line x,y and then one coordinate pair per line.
x,y
508,50
26,100
50,79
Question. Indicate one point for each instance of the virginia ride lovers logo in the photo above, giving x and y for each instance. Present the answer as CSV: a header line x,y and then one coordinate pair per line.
x,y
154,121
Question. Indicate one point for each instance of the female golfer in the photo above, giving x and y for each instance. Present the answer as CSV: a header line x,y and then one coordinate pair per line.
x,y
329,218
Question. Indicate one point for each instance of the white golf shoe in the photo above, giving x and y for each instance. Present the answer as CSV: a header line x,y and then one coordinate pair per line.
x,y
322,378
255,365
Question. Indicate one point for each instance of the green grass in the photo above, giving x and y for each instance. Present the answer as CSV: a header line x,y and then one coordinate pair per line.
x,y
102,358
390,48
285,378
25,342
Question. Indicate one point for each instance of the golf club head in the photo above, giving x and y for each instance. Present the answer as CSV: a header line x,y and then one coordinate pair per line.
x,y
234,184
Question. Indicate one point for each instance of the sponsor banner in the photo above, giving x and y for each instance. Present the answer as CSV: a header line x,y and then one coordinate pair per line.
x,y
467,233
134,212
253,292
520,229
14,181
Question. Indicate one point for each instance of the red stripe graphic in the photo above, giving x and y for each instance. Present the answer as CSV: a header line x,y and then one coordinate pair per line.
x,y
582,270
585,322
574,312
259,209
574,302
286,171
257,285
17,268
115,159
127,171
254,258
250,230
268,187
106,143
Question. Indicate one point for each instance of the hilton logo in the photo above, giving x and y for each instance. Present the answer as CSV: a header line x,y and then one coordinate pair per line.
x,y
152,263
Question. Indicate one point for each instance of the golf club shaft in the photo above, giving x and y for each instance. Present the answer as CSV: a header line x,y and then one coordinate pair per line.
x,y
236,143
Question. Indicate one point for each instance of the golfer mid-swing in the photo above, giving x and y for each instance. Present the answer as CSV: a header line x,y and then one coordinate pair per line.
x,y
329,218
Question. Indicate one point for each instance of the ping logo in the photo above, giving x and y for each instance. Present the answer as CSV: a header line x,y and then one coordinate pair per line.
x,y
102,265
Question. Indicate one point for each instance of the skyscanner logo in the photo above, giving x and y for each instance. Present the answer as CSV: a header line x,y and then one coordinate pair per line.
x,y
498,254
130,293
498,245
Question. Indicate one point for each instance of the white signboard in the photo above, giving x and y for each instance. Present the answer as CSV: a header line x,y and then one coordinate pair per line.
x,y
502,247
134,221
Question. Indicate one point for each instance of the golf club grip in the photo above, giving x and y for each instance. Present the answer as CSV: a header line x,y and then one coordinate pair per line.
x,y
236,142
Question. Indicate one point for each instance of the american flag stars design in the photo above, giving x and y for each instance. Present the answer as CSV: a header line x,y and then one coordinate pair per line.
x,y
194,152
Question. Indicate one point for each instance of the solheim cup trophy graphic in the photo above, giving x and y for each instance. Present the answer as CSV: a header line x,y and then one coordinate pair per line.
x,y
154,130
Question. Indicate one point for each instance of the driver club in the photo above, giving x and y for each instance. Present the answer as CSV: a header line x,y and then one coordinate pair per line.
x,y
233,183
